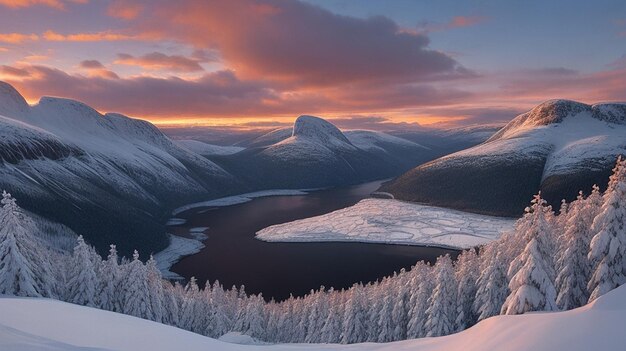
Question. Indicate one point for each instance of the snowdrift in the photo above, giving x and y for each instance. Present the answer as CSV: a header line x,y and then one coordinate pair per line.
x,y
28,324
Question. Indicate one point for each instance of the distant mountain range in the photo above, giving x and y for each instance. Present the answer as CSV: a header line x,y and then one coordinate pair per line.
x,y
559,147
115,179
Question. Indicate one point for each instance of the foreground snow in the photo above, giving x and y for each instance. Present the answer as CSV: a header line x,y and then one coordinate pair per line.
x,y
393,222
29,324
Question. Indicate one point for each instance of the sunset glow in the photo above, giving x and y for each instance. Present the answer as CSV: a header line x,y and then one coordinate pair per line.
x,y
178,63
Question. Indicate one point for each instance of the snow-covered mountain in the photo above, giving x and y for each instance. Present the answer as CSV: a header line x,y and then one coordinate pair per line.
x,y
30,324
205,149
108,177
558,147
318,154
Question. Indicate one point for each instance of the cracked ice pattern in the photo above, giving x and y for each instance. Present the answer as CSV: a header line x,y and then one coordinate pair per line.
x,y
393,222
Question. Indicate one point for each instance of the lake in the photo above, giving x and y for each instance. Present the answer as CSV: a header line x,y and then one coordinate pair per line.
x,y
234,257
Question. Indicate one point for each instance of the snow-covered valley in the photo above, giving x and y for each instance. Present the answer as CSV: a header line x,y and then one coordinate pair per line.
x,y
29,324
393,222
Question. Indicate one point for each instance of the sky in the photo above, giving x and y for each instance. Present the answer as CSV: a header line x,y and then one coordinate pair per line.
x,y
371,64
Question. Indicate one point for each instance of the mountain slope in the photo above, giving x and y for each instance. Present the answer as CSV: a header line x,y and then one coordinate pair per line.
x,y
558,147
29,324
108,177
318,154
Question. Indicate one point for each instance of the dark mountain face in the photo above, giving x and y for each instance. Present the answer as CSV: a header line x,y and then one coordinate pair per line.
x,y
317,154
110,178
559,147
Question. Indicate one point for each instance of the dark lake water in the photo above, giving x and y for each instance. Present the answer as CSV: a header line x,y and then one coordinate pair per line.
x,y
234,257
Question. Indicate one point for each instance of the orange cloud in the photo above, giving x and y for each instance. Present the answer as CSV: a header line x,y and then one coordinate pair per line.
x,y
57,4
17,38
465,21
160,61
127,10
300,44
86,37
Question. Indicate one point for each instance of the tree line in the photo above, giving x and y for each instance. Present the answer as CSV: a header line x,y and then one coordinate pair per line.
x,y
548,262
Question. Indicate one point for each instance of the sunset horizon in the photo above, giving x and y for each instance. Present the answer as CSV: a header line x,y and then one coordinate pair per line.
x,y
418,63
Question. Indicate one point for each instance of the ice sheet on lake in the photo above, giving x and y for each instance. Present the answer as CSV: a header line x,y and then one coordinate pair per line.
x,y
392,222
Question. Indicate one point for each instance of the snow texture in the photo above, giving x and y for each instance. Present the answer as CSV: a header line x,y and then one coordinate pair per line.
x,y
393,222
29,324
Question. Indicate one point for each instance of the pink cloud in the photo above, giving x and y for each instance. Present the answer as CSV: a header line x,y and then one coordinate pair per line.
x,y
301,44
57,4
160,61
127,10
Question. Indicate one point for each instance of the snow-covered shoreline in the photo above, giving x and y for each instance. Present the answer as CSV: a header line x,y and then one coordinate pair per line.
x,y
178,248
389,221
181,247
241,198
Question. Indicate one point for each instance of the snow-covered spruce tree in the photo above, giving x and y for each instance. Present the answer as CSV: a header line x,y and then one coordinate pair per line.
x,y
155,289
83,282
573,265
400,313
108,282
24,266
317,317
134,295
492,284
254,322
172,303
442,303
466,276
385,327
532,272
375,299
422,284
355,317
331,331
608,246
223,322
193,311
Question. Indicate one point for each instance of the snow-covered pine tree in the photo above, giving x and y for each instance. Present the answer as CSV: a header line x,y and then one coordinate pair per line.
x,y
608,246
155,289
442,303
24,266
223,323
83,282
466,276
172,303
108,281
422,284
318,315
255,319
192,314
331,331
355,317
532,283
573,265
400,313
134,296
385,322
492,284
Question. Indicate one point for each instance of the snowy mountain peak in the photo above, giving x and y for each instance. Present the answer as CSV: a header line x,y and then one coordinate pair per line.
x,y
317,129
12,103
67,107
556,111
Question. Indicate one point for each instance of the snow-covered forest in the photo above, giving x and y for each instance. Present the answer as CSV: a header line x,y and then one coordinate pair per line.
x,y
547,262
